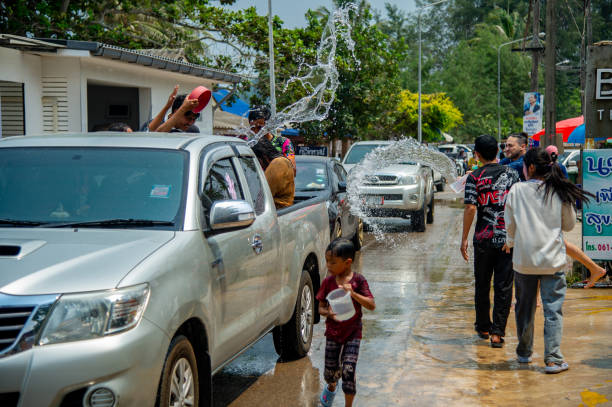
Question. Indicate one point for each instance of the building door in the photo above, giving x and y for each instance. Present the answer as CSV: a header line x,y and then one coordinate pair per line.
x,y
111,104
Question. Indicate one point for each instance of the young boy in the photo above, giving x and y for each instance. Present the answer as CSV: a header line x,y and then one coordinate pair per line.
x,y
485,194
342,337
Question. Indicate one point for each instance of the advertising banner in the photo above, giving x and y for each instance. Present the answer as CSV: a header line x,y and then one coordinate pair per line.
x,y
597,214
533,105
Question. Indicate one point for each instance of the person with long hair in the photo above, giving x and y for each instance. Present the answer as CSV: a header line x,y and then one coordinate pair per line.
x,y
537,213
278,171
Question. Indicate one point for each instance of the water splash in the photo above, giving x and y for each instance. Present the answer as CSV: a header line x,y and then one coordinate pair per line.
x,y
319,81
397,152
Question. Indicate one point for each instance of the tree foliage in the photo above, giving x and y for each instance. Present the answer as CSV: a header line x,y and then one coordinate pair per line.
x,y
439,115
459,54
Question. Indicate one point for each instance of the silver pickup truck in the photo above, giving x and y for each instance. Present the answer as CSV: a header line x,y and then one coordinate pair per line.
x,y
132,268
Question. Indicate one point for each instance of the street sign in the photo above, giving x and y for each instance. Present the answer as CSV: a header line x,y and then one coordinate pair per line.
x,y
312,150
597,214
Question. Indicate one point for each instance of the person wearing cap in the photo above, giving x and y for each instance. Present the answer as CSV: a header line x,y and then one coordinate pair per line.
x,y
177,122
257,120
553,150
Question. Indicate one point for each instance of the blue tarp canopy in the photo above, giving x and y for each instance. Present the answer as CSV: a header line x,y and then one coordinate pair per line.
x,y
239,107
290,132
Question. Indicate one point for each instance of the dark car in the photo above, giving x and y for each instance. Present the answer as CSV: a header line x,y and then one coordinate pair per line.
x,y
317,176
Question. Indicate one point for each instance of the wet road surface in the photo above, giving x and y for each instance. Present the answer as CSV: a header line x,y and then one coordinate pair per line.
x,y
419,347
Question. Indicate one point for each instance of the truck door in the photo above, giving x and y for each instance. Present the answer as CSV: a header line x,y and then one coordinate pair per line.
x,y
270,261
239,284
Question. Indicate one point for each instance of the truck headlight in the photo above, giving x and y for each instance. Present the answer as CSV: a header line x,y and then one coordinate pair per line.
x,y
410,179
76,317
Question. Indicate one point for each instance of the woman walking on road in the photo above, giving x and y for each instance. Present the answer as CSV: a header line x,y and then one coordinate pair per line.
x,y
536,214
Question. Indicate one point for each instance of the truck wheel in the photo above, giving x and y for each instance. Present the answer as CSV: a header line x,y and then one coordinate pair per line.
x,y
179,382
418,220
358,236
430,211
292,340
440,186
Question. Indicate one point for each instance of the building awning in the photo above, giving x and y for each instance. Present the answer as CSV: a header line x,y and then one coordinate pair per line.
x,y
140,57
227,123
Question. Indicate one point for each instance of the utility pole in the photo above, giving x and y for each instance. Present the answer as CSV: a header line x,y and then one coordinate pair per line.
x,y
271,51
535,59
549,61
587,39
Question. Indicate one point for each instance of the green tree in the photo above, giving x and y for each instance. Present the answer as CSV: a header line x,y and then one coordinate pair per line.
x,y
469,76
439,115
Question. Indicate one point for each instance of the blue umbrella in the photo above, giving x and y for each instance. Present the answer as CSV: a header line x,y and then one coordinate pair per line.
x,y
577,136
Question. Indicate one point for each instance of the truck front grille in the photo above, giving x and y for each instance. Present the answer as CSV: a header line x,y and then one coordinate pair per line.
x,y
380,180
12,321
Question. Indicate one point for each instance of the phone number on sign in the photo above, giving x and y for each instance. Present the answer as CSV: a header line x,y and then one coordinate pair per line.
x,y
602,247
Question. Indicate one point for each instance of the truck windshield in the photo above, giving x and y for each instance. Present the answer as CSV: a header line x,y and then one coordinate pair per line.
x,y
105,187
358,152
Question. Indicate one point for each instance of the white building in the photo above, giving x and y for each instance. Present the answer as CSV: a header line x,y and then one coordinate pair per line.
x,y
51,86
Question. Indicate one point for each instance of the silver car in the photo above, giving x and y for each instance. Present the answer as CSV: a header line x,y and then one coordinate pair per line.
x,y
399,190
135,267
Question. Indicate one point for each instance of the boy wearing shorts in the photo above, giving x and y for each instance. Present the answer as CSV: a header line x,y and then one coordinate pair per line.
x,y
342,337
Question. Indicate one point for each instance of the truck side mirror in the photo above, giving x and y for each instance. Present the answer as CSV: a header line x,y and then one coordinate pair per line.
x,y
341,186
231,214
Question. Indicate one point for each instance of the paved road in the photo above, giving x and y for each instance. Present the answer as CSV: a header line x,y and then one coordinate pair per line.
x,y
419,348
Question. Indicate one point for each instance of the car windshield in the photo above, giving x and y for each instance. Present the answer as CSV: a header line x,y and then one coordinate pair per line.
x,y
63,186
563,157
358,152
446,149
311,176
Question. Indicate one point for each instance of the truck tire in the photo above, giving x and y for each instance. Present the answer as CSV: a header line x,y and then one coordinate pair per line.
x,y
440,186
430,211
358,236
292,340
418,219
180,368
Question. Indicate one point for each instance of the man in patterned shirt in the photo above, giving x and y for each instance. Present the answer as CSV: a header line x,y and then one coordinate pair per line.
x,y
258,116
485,194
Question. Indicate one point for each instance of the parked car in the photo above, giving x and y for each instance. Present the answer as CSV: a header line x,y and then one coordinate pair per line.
x,y
457,148
405,189
134,268
325,176
570,159
459,163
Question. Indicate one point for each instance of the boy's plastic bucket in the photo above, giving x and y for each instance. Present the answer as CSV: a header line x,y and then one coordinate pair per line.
x,y
341,304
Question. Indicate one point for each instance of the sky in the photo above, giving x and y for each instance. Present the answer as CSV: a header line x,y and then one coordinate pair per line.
x,y
292,11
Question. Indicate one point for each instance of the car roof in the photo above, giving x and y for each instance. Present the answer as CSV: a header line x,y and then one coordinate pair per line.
x,y
375,142
315,158
113,139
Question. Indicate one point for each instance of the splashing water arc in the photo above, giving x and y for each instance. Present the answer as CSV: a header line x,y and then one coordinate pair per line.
x,y
400,151
320,81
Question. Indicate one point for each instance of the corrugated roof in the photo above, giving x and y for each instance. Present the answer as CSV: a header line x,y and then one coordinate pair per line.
x,y
140,57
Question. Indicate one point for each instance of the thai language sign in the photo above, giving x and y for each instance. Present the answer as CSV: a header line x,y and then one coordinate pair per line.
x,y
597,214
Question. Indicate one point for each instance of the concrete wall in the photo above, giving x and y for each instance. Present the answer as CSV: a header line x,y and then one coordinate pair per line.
x,y
16,66
159,83
79,69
